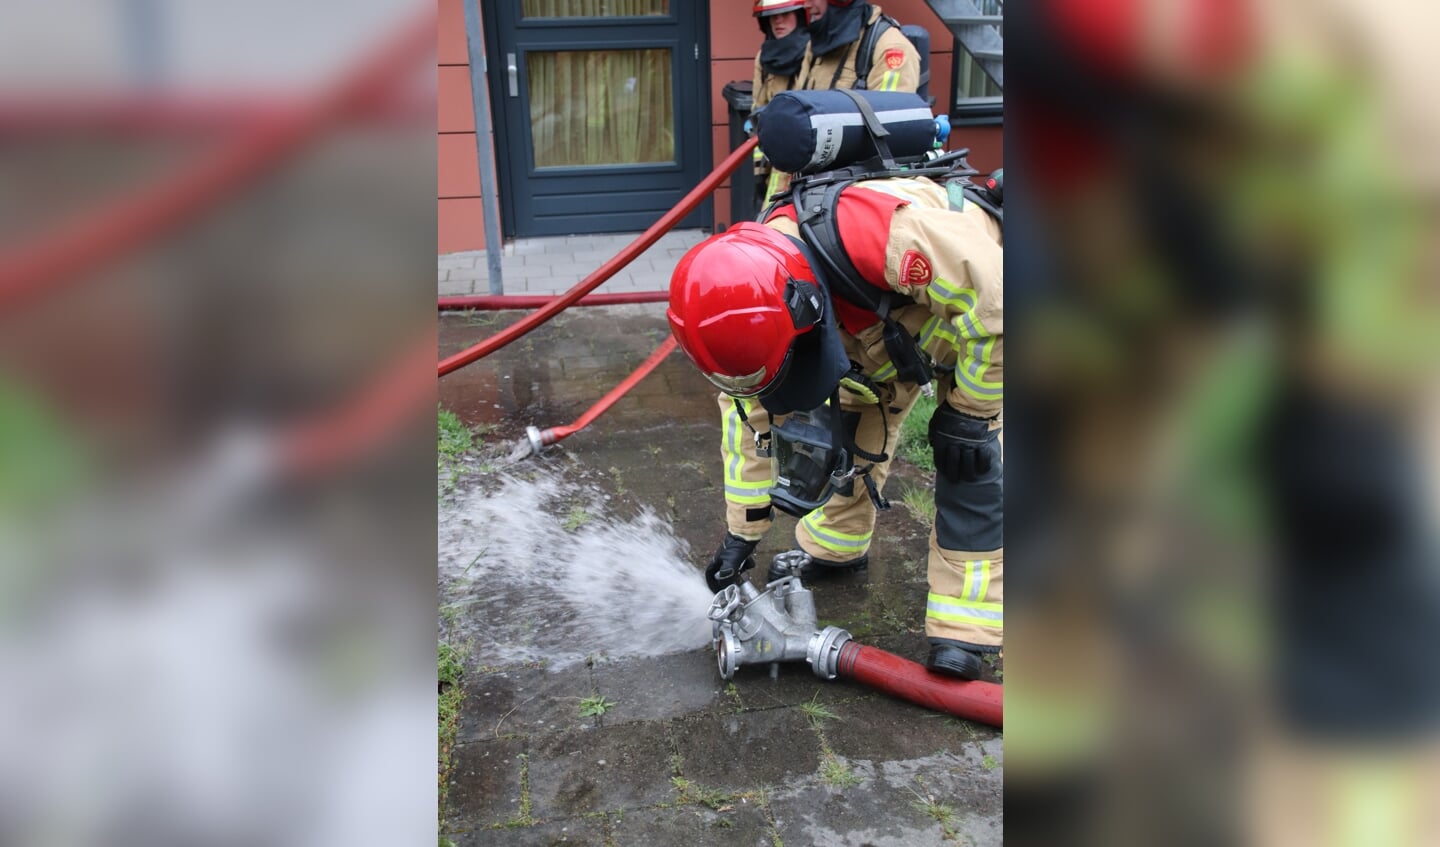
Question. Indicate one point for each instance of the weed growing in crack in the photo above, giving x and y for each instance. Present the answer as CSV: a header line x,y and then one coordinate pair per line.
x,y
836,773
689,792
595,706
818,713
448,671
577,518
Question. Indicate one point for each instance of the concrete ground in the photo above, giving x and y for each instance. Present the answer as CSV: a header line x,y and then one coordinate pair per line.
x,y
553,265
680,756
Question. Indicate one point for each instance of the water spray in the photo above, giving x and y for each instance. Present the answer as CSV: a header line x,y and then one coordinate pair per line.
x,y
778,624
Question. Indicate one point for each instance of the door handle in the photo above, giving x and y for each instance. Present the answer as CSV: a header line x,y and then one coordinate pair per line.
x,y
513,73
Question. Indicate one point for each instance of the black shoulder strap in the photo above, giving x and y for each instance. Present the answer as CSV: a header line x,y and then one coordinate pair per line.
x,y
865,58
815,212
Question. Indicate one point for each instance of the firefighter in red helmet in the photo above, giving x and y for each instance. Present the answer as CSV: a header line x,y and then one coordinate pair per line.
x,y
764,318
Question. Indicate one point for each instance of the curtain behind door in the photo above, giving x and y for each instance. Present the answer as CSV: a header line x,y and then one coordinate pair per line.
x,y
600,107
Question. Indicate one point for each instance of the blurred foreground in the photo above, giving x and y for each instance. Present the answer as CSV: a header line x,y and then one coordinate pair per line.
x,y
216,536
1226,593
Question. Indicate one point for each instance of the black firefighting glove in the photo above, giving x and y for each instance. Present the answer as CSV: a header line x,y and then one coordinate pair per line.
x,y
964,446
734,557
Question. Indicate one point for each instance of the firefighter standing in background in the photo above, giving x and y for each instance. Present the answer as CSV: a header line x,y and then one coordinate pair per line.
x,y
836,30
733,308
777,65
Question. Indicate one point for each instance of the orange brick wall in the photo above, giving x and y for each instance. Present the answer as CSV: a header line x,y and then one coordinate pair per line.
x,y
461,224
734,38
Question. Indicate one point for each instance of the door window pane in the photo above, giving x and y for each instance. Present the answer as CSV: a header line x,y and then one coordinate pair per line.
x,y
593,8
601,107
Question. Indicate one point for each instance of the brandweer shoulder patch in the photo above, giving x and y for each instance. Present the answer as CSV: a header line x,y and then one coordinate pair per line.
x,y
915,269
894,58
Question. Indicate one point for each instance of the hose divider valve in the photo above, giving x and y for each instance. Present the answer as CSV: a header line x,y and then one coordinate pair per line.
x,y
777,625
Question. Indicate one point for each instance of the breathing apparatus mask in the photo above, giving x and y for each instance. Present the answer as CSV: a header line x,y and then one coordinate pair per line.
x,y
813,453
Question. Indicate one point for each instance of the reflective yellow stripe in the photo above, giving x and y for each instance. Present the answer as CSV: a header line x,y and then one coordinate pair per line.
x,y
960,610
737,488
967,619
747,493
977,359
979,389
970,326
934,328
746,499
776,183
884,373
984,587
946,292
730,446
971,370
838,542
946,603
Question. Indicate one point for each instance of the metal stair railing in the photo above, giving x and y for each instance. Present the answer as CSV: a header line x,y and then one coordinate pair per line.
x,y
977,28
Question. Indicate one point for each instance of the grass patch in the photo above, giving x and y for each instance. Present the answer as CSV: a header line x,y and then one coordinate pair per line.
x,y
595,706
454,437
689,792
896,620
448,672
836,773
989,763
939,812
996,665
920,500
914,446
454,440
942,814
817,712
577,518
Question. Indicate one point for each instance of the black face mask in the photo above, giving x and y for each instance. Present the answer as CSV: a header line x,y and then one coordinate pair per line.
x,y
809,460
839,26
782,56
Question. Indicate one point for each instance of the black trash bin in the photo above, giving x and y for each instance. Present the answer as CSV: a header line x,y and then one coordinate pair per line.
x,y
744,196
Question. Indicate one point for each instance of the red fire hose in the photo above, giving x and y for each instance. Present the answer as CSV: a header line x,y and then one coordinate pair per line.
x,y
540,439
169,115
605,271
130,222
351,429
976,701
496,302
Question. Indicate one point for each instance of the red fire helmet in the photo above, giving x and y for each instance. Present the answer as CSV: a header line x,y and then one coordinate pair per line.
x,y
738,302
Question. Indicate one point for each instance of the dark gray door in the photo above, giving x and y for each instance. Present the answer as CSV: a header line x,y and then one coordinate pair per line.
x,y
602,119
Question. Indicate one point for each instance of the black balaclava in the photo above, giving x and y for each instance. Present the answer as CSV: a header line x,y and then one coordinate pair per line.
x,y
782,56
839,26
